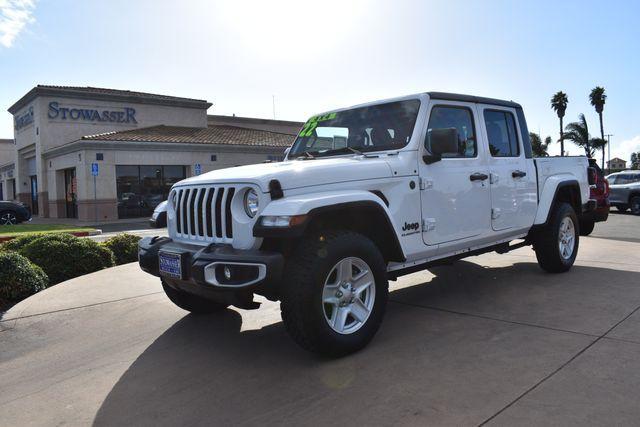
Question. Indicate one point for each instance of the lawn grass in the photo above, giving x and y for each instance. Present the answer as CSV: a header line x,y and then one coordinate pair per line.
x,y
22,229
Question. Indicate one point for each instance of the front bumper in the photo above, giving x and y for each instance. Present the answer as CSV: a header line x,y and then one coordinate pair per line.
x,y
256,271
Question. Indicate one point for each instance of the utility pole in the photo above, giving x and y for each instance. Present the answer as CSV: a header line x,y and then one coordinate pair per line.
x,y
609,147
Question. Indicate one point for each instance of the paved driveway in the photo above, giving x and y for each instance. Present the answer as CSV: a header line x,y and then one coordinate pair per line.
x,y
491,339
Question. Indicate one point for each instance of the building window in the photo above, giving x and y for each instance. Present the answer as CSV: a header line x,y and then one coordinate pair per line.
x,y
99,156
214,158
141,188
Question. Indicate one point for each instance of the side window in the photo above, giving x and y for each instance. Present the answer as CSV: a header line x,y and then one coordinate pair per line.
x,y
460,118
612,179
501,132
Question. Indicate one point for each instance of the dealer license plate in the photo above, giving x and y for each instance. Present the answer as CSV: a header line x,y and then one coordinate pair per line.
x,y
170,264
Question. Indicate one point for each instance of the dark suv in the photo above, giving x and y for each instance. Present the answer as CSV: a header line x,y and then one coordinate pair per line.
x,y
13,212
625,190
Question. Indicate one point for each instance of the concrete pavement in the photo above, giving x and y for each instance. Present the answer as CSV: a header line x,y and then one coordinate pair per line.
x,y
491,339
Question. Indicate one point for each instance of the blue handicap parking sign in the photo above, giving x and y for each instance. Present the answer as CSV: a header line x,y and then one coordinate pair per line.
x,y
94,169
198,168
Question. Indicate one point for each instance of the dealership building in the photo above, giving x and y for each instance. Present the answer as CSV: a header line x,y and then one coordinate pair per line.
x,y
103,154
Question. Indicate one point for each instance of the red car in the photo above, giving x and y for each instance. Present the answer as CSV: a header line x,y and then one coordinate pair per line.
x,y
600,193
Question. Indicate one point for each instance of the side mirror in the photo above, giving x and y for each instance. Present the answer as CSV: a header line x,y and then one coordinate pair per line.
x,y
440,141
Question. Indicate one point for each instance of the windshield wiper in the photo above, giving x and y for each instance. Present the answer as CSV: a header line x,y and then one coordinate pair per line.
x,y
308,156
358,152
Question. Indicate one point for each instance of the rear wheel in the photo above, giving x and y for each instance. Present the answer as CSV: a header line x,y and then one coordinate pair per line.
x,y
334,293
635,205
192,303
586,226
556,245
8,218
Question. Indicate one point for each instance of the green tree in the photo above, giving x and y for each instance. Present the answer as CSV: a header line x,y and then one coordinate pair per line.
x,y
578,133
635,160
559,103
597,97
538,147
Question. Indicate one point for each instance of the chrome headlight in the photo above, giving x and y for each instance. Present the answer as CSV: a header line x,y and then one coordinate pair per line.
x,y
251,202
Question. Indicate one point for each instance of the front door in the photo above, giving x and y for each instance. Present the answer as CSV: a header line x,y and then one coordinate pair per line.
x,y
455,190
70,195
513,180
34,194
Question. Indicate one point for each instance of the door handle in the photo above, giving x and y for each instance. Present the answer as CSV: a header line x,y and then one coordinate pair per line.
x,y
518,174
478,176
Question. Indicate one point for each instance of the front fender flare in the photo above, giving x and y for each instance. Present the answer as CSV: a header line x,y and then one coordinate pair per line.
x,y
316,204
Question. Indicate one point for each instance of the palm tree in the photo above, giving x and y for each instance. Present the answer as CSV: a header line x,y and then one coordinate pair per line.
x,y
597,98
598,144
559,103
538,147
578,133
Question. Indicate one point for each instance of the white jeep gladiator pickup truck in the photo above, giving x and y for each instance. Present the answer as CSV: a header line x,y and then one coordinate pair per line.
x,y
367,194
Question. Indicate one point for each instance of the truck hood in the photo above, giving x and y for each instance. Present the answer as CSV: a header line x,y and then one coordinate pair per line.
x,y
299,173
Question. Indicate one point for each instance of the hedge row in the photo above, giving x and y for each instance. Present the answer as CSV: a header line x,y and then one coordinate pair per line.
x,y
30,263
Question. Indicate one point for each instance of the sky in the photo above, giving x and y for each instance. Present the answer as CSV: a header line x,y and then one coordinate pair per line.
x,y
312,56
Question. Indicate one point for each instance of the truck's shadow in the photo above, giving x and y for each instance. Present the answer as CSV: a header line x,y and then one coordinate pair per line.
x,y
204,370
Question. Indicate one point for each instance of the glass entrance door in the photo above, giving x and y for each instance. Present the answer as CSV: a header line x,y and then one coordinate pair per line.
x,y
34,194
70,193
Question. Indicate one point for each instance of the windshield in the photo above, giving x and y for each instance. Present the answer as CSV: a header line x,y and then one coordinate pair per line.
x,y
378,127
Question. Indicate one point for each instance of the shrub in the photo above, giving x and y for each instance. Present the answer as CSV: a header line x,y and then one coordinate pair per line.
x,y
19,278
19,242
124,247
63,256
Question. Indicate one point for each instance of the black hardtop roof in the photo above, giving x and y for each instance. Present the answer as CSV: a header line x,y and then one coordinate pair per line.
x,y
471,98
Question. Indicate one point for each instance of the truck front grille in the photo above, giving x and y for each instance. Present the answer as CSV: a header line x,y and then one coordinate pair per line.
x,y
204,213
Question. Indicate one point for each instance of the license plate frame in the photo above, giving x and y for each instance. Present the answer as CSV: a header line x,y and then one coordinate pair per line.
x,y
170,264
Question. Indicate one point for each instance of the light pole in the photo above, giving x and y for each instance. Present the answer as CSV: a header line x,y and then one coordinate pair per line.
x,y
609,148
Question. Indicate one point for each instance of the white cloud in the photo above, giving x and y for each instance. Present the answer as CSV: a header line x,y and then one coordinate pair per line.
x,y
14,16
624,149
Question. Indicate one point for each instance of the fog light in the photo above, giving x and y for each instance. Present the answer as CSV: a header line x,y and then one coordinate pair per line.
x,y
227,272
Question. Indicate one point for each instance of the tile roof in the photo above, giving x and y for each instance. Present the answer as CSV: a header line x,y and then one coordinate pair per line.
x,y
220,135
93,93
105,91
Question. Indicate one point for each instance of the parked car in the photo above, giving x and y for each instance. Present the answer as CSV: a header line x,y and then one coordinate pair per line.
x,y
407,183
159,216
598,191
625,190
14,212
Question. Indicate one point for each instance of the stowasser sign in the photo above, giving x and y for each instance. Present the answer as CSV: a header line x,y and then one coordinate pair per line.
x,y
126,115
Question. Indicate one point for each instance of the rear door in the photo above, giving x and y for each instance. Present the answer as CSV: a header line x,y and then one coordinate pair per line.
x,y
512,175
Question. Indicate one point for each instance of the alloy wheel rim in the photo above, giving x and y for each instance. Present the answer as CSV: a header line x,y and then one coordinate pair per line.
x,y
566,238
8,219
348,295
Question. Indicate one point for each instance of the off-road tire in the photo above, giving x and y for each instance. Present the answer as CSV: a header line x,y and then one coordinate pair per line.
x,y
192,303
586,226
634,205
302,288
546,241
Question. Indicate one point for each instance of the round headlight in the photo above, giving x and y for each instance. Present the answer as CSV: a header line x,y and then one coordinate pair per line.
x,y
251,202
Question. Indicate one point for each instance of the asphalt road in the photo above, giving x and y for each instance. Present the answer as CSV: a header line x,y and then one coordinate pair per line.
x,y
491,339
620,226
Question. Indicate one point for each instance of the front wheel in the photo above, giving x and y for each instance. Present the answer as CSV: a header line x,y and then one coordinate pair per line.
x,y
334,293
8,218
635,205
556,245
586,226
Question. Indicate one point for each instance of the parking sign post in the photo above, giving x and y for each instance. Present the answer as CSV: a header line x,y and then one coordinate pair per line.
x,y
94,172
